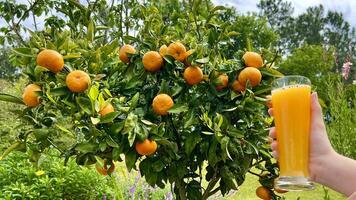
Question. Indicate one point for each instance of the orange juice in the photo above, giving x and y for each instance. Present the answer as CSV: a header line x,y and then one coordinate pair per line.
x,y
291,110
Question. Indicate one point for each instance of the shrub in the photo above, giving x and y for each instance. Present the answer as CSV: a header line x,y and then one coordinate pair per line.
x,y
342,119
50,180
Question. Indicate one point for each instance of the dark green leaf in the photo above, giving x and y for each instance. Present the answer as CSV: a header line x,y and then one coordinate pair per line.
x,y
178,108
130,159
109,117
86,147
10,98
192,140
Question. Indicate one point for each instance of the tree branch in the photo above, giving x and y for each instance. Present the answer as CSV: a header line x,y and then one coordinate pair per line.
x,y
27,11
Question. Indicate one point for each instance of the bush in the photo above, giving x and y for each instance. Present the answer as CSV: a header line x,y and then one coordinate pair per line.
x,y
341,117
51,180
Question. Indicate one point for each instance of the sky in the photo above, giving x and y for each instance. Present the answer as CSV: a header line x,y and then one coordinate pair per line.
x,y
346,7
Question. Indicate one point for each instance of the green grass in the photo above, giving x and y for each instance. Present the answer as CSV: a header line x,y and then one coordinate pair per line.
x,y
247,192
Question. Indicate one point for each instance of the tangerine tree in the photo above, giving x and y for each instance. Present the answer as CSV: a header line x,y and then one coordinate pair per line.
x,y
178,100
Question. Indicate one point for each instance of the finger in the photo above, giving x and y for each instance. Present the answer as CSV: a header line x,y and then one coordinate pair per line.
x,y
274,145
275,154
270,111
316,110
272,132
317,120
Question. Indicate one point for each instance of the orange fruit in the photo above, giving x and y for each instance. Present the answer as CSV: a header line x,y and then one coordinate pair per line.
x,y
237,87
77,81
50,59
106,108
252,59
187,54
252,74
163,50
193,75
177,50
104,170
162,103
29,96
147,147
223,81
263,193
152,61
126,49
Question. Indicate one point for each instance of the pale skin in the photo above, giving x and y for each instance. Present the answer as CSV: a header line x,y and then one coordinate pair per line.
x,y
326,166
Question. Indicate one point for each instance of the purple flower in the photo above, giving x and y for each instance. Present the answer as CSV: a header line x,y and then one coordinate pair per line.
x,y
168,196
133,188
346,70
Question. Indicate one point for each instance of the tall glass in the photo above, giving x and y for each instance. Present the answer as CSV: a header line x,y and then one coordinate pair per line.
x,y
291,110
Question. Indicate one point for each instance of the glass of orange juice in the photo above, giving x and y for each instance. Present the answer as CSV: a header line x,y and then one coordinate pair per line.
x,y
291,111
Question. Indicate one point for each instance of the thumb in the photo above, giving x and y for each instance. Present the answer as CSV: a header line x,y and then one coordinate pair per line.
x,y
316,111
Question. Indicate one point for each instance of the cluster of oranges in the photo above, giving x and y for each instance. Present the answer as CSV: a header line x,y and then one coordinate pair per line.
x,y
77,81
153,61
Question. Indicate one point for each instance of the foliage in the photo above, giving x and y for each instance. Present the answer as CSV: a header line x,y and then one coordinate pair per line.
x,y
312,61
219,132
313,27
341,116
51,180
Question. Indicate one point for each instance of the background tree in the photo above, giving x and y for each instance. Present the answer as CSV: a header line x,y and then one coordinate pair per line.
x,y
314,27
312,61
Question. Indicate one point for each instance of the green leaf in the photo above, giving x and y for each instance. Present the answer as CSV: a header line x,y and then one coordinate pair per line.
x,y
86,147
130,38
109,117
111,142
116,128
233,33
202,60
169,59
10,98
178,108
130,159
93,92
133,102
84,104
131,137
224,146
130,123
91,31
94,120
60,91
228,178
212,156
158,166
23,51
64,130
207,133
192,140
72,55
271,72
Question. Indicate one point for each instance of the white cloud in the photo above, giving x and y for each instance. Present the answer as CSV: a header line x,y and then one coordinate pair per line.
x,y
346,7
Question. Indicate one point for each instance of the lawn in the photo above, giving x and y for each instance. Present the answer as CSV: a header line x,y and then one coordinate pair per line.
x,y
247,192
